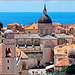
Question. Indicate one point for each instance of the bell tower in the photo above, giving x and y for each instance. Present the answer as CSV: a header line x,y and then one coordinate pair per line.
x,y
8,53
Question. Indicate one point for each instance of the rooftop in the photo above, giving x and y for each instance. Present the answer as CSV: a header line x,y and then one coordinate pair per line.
x,y
26,36
63,62
62,36
63,49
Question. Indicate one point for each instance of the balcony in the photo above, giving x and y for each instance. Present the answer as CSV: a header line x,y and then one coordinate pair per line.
x,y
30,48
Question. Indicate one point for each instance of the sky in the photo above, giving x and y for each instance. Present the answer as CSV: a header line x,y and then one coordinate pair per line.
x,y
37,6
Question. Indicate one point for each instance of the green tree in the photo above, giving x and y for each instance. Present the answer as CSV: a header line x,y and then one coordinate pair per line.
x,y
1,25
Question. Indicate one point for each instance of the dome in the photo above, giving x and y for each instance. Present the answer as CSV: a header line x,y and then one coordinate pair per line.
x,y
72,53
8,31
45,19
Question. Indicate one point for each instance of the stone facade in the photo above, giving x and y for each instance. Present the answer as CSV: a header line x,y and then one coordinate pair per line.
x,y
45,29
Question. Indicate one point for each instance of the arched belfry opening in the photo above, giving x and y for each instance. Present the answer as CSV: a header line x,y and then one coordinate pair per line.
x,y
8,52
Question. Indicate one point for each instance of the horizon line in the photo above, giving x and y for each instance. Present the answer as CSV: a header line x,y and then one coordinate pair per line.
x,y
47,12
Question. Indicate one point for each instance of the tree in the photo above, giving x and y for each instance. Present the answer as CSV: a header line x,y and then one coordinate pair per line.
x,y
1,25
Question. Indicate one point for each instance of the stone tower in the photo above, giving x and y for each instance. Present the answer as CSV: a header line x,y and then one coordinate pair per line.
x,y
8,53
45,24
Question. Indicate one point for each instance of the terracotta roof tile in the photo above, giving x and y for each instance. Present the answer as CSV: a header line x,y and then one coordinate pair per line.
x,y
63,62
60,49
4,28
33,26
23,54
57,24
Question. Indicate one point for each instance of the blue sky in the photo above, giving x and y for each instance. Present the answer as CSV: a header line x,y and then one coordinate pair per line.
x,y
37,6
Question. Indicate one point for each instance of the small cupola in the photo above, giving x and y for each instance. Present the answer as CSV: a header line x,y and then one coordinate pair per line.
x,y
8,34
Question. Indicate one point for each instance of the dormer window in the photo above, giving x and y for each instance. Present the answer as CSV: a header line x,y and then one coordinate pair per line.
x,y
65,51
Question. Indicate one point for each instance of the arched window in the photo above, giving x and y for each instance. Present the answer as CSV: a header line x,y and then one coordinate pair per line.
x,y
21,43
46,31
23,66
28,43
35,43
8,52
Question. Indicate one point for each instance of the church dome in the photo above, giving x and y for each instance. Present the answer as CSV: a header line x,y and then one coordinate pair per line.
x,y
45,19
72,53
8,32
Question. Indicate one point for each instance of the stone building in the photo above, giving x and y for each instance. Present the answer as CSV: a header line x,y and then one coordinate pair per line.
x,y
37,46
66,63
64,55
12,59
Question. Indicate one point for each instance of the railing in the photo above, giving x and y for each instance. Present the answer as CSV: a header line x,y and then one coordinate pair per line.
x,y
18,58
31,48
26,45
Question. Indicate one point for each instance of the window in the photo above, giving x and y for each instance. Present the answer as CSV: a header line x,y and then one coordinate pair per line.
x,y
29,32
46,31
35,43
7,61
20,42
38,63
23,66
28,43
8,52
41,31
8,68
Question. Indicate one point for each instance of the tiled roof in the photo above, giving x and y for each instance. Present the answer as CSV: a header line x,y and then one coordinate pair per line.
x,y
13,24
71,26
48,37
4,28
23,26
62,36
58,27
60,49
57,24
26,36
33,26
23,54
63,62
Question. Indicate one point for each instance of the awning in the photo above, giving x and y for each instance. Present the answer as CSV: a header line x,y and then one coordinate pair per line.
x,y
48,67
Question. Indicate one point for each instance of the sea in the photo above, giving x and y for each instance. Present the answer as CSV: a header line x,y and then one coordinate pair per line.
x,y
32,17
